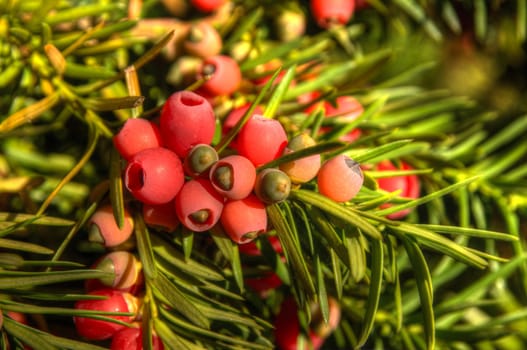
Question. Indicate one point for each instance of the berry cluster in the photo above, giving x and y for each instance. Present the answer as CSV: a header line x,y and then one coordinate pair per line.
x,y
175,172
179,177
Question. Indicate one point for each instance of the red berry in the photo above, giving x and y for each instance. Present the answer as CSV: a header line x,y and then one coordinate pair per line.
x,y
244,219
330,12
304,169
198,205
408,184
154,176
346,108
233,177
287,328
203,40
187,119
116,301
264,283
234,116
207,5
161,216
251,249
18,317
135,136
340,178
132,339
223,73
261,140
104,228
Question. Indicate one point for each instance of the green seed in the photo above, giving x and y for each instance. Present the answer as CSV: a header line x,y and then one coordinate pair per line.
x,y
273,186
223,177
200,216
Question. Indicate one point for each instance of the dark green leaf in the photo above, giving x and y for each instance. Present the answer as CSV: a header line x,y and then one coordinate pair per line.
x,y
292,251
229,249
144,246
278,94
374,293
26,334
335,209
116,187
35,219
28,279
179,301
440,244
181,263
425,288
172,340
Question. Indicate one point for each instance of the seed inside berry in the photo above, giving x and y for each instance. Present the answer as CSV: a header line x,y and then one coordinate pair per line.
x,y
223,178
200,216
199,159
208,69
107,265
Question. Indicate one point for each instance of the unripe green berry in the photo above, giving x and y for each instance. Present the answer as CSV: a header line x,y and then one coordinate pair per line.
x,y
199,159
272,186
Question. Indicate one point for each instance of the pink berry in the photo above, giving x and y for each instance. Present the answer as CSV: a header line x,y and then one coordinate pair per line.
x,y
187,119
304,169
154,176
161,216
340,178
223,73
330,12
318,326
132,339
198,205
104,228
116,301
233,176
345,107
244,219
261,140
135,136
125,268
203,40
408,184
